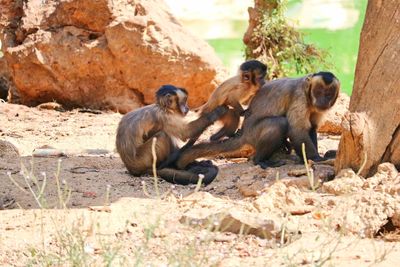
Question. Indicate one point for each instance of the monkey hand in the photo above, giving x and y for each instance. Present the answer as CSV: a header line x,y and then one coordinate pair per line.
x,y
217,113
173,157
245,113
238,133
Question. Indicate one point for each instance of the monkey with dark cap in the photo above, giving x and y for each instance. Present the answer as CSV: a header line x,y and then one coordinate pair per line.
x,y
234,92
288,107
165,121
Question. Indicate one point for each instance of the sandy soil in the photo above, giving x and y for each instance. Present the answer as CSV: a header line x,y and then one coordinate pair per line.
x,y
109,211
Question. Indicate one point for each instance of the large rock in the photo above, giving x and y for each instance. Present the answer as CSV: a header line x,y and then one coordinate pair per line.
x,y
364,213
103,54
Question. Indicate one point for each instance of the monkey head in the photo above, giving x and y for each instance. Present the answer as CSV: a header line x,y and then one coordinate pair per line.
x,y
253,72
172,99
322,89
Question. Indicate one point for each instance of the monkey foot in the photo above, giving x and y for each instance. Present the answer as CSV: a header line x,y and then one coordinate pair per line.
x,y
270,164
205,167
330,154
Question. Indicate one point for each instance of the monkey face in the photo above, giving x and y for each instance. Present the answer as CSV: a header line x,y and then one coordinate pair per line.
x,y
253,72
324,96
173,99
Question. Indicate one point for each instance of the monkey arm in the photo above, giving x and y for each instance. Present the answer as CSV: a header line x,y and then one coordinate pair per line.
x,y
313,136
196,127
237,107
301,131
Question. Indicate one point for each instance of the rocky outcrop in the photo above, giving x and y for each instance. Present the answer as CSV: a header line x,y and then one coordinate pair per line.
x,y
103,54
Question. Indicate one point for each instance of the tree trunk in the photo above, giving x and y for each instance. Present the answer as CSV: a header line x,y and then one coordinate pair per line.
x,y
371,129
250,39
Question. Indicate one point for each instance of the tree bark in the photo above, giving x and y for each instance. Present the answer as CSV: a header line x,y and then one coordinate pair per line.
x,y
371,129
255,17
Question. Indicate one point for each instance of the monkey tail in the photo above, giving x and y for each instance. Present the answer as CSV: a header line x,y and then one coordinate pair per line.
x,y
191,174
198,109
210,149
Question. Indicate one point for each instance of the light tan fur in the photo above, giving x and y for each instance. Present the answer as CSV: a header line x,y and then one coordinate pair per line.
x,y
230,92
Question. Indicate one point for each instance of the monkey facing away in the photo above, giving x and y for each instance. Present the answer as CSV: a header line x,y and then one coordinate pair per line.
x,y
163,120
234,92
288,107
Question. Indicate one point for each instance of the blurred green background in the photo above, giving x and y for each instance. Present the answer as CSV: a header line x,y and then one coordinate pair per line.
x,y
341,44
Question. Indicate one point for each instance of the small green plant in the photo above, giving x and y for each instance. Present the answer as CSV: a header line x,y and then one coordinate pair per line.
x,y
310,171
278,44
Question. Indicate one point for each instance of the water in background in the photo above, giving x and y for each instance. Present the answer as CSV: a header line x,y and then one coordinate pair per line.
x,y
334,25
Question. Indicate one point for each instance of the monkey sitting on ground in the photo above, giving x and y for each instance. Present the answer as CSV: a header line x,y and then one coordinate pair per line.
x,y
234,92
163,120
281,108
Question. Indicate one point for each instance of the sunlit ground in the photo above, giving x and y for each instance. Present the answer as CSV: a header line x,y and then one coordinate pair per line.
x,y
334,25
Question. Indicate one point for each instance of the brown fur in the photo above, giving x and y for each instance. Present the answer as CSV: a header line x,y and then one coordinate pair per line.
x,y
234,92
281,108
295,99
164,121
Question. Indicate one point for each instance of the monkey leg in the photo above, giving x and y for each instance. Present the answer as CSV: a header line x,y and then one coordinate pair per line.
x,y
297,138
271,136
191,173
173,157
209,149
144,156
230,120
313,136
197,127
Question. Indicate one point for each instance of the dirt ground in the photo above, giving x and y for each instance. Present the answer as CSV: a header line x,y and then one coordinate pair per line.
x,y
94,212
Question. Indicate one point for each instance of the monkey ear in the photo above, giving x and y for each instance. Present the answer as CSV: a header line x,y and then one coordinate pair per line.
x,y
308,83
309,78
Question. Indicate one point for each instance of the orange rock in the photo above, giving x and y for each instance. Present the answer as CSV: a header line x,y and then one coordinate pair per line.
x,y
104,55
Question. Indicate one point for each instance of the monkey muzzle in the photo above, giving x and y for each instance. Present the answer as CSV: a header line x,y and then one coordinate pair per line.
x,y
184,109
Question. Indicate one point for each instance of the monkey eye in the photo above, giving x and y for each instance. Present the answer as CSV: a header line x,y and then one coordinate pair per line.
x,y
168,100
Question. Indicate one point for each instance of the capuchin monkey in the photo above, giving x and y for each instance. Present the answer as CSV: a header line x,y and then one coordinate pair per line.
x,y
234,92
164,120
281,108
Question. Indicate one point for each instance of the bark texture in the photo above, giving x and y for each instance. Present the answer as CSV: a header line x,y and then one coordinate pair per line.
x,y
371,129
